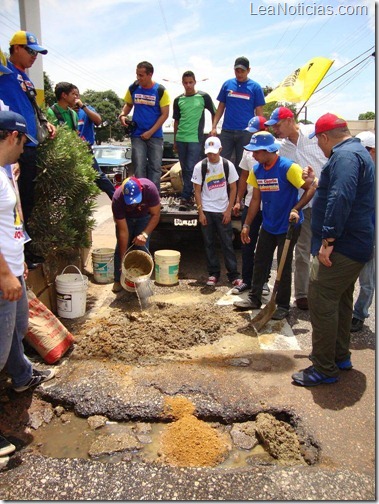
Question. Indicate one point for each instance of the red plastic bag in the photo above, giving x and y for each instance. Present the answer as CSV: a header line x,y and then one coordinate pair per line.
x,y
46,334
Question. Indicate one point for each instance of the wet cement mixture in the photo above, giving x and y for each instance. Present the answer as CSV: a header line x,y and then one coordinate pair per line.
x,y
130,335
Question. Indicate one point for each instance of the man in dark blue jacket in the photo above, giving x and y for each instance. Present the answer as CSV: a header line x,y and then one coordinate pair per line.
x,y
342,242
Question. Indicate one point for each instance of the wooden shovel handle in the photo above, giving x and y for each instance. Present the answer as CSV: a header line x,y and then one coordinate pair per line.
x,y
285,251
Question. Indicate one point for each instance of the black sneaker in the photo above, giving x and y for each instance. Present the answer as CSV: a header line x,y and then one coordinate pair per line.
x,y
356,325
37,378
6,447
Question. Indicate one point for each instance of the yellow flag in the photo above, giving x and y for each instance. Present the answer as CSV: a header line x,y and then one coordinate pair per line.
x,y
301,84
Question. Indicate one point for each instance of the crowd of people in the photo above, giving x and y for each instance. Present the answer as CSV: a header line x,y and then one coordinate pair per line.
x,y
316,179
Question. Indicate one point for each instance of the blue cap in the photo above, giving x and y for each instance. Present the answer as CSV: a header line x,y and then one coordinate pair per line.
x,y
132,189
28,39
263,140
279,114
11,121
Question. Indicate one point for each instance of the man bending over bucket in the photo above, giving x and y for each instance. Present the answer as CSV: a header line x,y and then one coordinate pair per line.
x,y
136,211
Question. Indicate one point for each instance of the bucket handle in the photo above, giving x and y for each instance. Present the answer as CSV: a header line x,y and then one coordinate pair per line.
x,y
147,250
73,266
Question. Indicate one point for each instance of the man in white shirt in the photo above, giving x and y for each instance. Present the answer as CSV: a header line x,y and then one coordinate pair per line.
x,y
297,145
14,310
211,178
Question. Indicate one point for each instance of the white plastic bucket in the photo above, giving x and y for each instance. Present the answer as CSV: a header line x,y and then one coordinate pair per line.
x,y
103,265
71,293
136,265
166,266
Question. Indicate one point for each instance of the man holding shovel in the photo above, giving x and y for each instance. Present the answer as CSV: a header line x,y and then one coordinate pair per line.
x,y
276,181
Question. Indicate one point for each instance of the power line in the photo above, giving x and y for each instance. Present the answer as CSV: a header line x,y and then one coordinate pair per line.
x,y
339,77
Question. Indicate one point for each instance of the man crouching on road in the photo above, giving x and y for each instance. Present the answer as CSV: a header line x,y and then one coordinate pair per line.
x,y
342,241
136,211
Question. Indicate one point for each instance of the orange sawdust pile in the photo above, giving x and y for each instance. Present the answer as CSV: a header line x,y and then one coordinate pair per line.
x,y
189,442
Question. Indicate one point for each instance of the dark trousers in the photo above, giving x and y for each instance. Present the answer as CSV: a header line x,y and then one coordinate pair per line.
x,y
26,182
267,243
330,298
248,249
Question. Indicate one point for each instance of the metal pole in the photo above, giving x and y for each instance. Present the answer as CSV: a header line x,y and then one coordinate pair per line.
x,y
30,20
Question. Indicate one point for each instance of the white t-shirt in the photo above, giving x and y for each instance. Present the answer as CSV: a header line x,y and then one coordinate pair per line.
x,y
247,163
214,195
11,227
305,152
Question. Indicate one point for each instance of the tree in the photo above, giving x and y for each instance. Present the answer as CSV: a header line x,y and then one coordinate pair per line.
x,y
108,105
65,197
49,91
366,115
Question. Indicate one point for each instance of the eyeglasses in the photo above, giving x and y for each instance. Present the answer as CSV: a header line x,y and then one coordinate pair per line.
x,y
32,52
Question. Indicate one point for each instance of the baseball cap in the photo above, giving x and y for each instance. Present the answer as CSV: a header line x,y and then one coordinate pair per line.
x,y
132,189
28,39
367,139
11,121
279,114
328,122
263,140
242,62
3,64
256,123
212,145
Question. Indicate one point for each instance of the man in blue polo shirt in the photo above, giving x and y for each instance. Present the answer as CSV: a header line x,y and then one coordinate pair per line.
x,y
240,99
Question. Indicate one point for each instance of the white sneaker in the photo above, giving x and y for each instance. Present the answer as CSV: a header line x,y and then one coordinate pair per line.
x,y
212,280
266,290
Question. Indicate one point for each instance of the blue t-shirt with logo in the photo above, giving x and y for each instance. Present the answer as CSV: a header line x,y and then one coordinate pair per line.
x,y
240,99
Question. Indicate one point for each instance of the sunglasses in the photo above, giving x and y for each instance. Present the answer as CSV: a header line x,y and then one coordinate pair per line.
x,y
32,52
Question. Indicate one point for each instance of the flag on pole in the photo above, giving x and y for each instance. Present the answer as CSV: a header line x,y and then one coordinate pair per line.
x,y
301,84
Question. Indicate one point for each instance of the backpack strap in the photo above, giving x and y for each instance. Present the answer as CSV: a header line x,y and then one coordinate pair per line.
x,y
204,165
134,86
60,118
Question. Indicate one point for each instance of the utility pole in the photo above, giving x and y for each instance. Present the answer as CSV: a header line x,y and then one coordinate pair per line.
x,y
30,21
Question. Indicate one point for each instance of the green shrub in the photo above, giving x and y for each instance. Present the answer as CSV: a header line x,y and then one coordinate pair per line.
x,y
65,195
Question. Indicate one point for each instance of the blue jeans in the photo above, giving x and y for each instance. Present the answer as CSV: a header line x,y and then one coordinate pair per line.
x,y
234,141
189,155
14,317
147,159
135,227
367,288
214,228
103,182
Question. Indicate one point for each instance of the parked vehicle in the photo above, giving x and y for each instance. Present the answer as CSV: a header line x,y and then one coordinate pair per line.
x,y
113,161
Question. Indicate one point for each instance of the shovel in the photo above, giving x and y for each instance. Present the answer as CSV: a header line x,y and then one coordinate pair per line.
x,y
261,319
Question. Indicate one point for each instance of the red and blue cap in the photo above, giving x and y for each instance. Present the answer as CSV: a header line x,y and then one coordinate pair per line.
x,y
28,39
279,114
328,122
263,140
132,189
256,123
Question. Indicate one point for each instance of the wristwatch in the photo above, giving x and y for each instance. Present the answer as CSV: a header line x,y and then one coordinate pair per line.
x,y
326,243
145,235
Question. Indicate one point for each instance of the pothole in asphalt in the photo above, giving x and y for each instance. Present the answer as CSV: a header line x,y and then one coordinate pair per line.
x,y
183,441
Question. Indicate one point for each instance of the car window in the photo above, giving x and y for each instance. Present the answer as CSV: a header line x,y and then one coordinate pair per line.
x,y
109,153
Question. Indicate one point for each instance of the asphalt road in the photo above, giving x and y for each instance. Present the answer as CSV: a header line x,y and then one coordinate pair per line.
x,y
340,417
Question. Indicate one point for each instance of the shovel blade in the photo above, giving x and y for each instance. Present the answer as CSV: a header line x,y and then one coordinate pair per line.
x,y
261,319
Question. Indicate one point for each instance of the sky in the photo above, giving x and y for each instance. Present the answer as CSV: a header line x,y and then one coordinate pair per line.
x,y
96,44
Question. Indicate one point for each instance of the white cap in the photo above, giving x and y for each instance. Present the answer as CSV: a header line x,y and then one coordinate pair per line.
x,y
213,145
367,139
